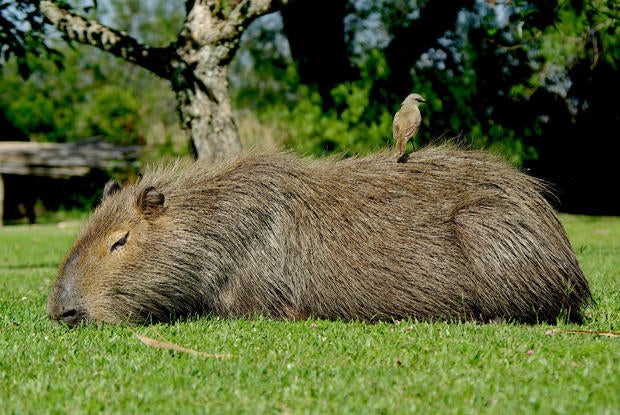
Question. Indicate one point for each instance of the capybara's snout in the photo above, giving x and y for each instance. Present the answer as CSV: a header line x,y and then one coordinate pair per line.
x,y
63,306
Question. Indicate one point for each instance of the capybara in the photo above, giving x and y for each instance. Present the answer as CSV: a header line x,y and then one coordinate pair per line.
x,y
450,234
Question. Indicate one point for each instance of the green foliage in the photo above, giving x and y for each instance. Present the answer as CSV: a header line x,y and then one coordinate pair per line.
x,y
308,366
580,31
309,127
345,131
78,103
96,94
605,20
111,113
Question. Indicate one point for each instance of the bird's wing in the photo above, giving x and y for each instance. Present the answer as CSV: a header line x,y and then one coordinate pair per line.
x,y
413,127
396,127
395,130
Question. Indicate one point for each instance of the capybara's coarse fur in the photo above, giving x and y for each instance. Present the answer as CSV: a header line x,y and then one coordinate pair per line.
x,y
450,234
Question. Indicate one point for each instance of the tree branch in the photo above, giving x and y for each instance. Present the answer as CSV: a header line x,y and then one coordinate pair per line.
x,y
229,24
120,44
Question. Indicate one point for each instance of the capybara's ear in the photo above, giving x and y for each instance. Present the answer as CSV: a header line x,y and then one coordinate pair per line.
x,y
151,203
110,188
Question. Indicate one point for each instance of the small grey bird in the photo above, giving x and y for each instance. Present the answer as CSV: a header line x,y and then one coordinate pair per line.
x,y
406,124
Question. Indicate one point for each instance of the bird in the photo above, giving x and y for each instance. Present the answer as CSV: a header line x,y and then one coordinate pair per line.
x,y
406,124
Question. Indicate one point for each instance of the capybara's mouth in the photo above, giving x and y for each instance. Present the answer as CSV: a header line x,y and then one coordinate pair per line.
x,y
71,317
66,313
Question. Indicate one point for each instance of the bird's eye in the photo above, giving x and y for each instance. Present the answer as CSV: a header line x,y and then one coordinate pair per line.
x,y
119,243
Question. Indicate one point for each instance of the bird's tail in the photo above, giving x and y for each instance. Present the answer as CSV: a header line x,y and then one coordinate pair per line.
x,y
401,146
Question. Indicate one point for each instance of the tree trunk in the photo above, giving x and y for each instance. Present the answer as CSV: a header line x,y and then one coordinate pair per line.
x,y
204,49
206,113
322,58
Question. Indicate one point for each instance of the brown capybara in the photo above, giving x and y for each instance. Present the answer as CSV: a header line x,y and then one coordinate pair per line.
x,y
450,234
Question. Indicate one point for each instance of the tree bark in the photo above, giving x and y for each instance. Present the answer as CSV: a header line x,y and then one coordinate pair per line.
x,y
206,114
196,64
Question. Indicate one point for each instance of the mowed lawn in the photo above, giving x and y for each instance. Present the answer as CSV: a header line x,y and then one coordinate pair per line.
x,y
313,366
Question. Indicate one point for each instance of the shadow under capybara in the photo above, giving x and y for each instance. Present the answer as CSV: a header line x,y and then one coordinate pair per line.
x,y
450,234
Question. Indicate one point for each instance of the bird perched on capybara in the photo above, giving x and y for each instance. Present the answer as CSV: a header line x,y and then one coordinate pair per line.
x,y
406,124
450,234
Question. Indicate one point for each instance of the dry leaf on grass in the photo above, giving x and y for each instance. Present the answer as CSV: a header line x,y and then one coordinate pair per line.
x,y
598,333
171,346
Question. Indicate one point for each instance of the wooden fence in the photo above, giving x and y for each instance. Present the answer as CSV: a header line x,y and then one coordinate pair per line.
x,y
62,160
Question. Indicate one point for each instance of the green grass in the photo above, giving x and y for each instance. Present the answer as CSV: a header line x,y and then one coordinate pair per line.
x,y
304,367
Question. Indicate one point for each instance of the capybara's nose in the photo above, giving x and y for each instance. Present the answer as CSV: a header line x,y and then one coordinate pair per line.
x,y
62,306
69,317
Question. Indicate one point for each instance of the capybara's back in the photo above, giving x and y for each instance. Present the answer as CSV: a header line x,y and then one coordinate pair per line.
x,y
450,234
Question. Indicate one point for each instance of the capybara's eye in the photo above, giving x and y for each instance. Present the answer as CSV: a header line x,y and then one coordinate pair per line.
x,y
119,243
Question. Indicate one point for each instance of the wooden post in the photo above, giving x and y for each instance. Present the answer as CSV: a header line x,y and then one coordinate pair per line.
x,y
1,200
